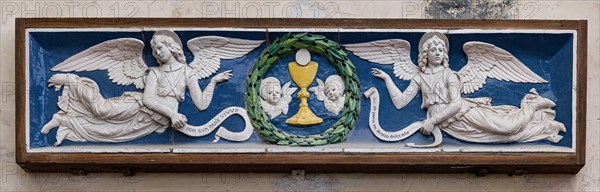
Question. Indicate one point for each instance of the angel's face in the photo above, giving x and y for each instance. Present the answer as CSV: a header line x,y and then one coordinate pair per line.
x,y
435,54
332,91
161,52
273,94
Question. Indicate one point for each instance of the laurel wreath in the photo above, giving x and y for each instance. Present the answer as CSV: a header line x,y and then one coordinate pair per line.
x,y
318,44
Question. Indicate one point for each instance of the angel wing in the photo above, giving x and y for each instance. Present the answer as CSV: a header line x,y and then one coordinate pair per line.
x,y
121,57
388,51
286,96
319,90
486,60
209,50
287,91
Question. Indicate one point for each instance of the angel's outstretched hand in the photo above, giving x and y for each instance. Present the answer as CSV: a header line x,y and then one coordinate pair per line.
x,y
380,74
222,77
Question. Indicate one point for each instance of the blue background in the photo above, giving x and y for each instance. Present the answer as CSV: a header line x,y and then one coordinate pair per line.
x,y
548,55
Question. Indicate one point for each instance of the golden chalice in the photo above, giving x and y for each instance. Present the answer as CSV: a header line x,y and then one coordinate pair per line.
x,y
303,72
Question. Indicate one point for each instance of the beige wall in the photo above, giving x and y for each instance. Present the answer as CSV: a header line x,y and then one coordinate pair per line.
x,y
14,179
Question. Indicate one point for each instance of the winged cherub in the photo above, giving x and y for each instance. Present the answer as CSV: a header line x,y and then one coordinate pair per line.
x,y
86,116
331,92
468,119
275,100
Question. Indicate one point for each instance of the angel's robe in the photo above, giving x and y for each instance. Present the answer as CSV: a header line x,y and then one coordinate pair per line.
x,y
479,121
88,117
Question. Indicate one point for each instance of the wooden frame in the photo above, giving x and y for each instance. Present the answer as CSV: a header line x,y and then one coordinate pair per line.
x,y
479,163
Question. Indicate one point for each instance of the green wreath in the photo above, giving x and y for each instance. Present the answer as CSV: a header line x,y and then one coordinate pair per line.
x,y
282,47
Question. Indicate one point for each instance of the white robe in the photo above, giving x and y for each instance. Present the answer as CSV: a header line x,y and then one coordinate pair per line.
x,y
88,117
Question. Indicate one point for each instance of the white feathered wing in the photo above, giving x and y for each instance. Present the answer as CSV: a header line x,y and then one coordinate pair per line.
x,y
486,60
286,96
209,50
388,51
319,90
121,57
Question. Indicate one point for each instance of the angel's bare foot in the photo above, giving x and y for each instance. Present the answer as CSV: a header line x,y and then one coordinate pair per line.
x,y
58,80
59,139
53,123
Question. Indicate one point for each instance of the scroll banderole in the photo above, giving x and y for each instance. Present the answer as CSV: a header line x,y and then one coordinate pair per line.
x,y
222,132
402,134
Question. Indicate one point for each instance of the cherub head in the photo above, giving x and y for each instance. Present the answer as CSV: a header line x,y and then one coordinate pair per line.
x,y
270,90
334,87
433,51
165,46
331,92
275,98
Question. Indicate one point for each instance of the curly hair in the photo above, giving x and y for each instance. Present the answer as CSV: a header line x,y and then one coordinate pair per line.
x,y
175,49
336,81
435,40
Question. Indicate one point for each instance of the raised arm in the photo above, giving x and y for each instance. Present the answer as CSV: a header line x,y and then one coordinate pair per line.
x,y
202,99
399,99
